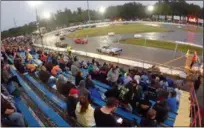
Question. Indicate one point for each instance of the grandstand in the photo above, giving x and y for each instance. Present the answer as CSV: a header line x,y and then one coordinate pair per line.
x,y
42,103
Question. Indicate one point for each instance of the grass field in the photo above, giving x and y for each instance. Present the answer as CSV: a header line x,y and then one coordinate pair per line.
x,y
117,29
161,44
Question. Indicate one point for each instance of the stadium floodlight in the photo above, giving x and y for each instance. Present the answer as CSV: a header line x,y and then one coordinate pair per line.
x,y
34,3
102,10
150,8
46,15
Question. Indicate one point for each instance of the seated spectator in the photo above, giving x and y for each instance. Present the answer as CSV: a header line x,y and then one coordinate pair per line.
x,y
28,56
95,68
178,93
43,57
31,67
60,83
144,106
172,101
161,107
78,78
84,65
113,92
72,100
149,120
76,62
85,112
127,79
55,70
44,75
9,112
112,76
103,116
62,64
89,82
18,63
83,91
49,66
74,70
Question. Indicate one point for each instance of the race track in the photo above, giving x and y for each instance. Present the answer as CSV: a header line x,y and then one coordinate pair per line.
x,y
133,52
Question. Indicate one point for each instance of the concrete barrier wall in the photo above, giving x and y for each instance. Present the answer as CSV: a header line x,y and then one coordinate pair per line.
x,y
165,70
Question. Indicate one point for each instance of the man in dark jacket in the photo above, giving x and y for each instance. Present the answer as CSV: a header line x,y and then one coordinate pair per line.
x,y
149,120
161,107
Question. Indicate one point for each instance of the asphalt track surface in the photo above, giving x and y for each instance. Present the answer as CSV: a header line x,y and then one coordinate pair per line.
x,y
137,53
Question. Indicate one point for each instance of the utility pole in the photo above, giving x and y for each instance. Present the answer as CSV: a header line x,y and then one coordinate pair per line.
x,y
88,11
14,21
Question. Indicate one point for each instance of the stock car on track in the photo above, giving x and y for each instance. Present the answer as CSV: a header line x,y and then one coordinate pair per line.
x,y
80,41
62,36
109,50
61,44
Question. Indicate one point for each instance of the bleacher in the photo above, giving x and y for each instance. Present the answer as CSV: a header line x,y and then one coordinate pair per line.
x,y
50,109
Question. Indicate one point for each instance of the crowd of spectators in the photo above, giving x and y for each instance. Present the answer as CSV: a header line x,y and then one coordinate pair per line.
x,y
132,90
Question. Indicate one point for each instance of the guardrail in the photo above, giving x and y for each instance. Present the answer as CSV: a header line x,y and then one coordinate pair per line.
x,y
127,62
195,112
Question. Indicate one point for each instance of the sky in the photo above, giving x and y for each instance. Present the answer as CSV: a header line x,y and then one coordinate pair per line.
x,y
23,13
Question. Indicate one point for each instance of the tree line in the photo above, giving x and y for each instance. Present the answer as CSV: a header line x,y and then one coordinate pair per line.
x,y
127,11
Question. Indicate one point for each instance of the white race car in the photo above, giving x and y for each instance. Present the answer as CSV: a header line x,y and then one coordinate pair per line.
x,y
109,50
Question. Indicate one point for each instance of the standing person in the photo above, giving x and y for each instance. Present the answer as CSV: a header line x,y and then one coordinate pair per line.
x,y
194,59
83,91
69,48
112,76
89,82
85,112
161,107
7,110
103,116
72,100
149,120
172,102
78,78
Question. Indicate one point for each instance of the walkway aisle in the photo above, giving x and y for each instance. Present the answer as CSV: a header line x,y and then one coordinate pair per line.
x,y
183,119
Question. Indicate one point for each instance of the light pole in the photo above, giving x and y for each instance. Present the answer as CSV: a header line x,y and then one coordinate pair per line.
x,y
35,4
88,11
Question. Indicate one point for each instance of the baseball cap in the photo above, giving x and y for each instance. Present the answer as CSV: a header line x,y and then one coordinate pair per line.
x,y
73,91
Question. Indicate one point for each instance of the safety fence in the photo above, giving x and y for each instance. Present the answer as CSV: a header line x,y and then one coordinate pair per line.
x,y
195,112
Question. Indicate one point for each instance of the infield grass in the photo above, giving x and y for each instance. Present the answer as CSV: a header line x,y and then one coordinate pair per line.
x,y
117,29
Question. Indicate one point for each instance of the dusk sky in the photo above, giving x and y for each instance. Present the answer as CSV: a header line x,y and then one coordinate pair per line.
x,y
23,13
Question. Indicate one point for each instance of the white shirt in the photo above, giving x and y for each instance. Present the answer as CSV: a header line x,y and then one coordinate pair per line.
x,y
178,94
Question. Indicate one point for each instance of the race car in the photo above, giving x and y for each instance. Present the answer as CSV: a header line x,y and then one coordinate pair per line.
x,y
80,41
57,34
62,36
109,50
61,44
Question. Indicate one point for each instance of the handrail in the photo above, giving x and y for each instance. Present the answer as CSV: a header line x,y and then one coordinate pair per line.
x,y
194,109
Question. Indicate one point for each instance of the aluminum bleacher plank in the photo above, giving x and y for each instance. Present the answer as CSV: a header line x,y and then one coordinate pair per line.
x,y
41,104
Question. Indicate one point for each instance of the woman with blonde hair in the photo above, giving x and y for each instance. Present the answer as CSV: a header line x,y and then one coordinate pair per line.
x,y
85,112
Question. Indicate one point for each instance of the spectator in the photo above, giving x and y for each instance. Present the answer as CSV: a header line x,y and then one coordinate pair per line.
x,y
197,83
76,62
149,120
28,56
61,82
144,106
78,78
55,70
74,70
112,76
127,79
31,67
83,91
103,116
172,102
44,75
8,111
95,67
18,63
72,100
85,112
89,82
178,93
161,107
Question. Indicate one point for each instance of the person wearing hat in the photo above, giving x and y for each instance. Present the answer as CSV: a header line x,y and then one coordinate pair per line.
x,y
72,100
